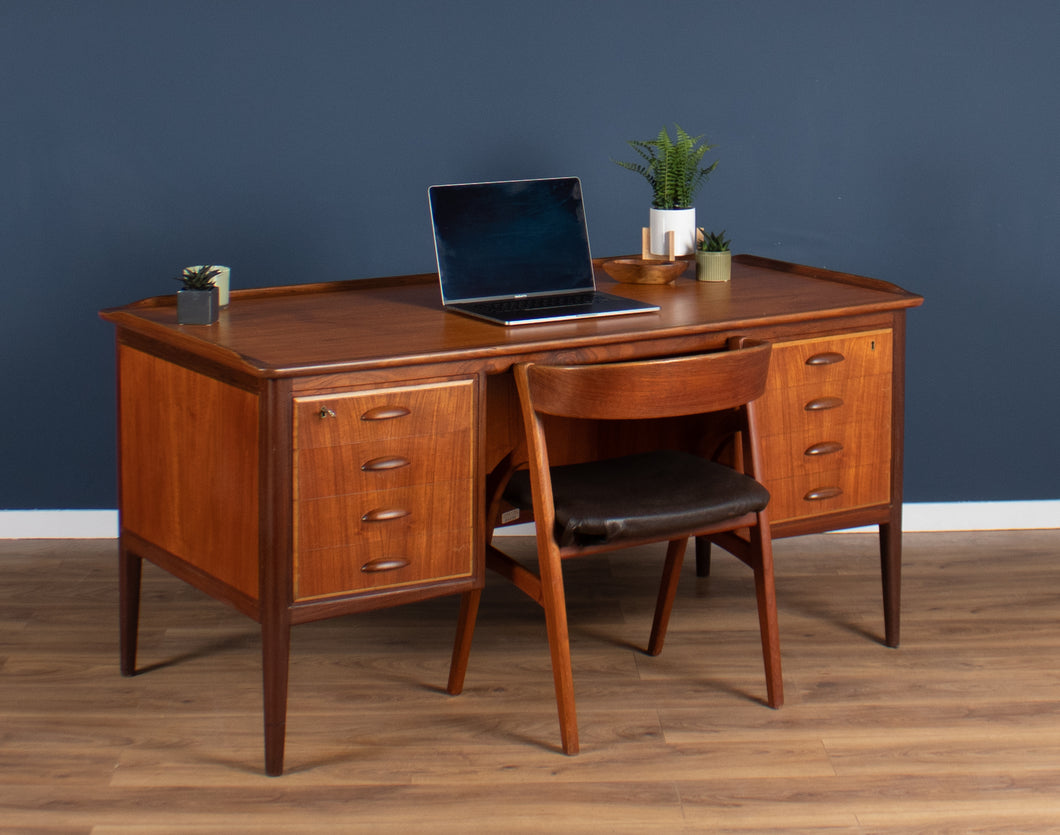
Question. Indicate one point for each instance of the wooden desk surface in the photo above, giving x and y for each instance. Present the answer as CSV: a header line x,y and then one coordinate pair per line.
x,y
380,323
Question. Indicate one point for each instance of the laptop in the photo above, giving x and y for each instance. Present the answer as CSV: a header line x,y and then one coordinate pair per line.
x,y
517,253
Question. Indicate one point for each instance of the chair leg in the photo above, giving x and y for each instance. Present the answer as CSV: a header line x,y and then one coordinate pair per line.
x,y
765,592
553,601
675,554
465,629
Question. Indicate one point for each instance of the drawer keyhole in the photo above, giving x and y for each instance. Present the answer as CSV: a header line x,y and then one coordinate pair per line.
x,y
325,413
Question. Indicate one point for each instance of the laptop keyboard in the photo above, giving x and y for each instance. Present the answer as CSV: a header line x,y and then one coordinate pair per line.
x,y
531,303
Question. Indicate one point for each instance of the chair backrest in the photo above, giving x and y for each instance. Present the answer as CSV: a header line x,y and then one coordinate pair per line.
x,y
652,388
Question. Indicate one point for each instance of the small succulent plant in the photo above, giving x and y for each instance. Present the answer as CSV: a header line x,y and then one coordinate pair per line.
x,y
713,242
198,278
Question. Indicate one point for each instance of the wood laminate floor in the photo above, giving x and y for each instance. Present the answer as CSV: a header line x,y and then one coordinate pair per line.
x,y
957,731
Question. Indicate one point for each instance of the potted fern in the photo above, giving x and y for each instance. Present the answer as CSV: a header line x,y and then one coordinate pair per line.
x,y
197,300
674,170
713,257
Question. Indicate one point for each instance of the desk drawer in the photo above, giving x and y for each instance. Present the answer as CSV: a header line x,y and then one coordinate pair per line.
x,y
383,465
384,559
834,358
381,414
814,449
828,491
345,520
862,402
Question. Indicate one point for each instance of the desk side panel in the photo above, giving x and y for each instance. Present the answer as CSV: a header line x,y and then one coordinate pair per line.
x,y
189,466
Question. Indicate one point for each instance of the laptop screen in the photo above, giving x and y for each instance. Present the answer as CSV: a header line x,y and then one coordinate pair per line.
x,y
514,238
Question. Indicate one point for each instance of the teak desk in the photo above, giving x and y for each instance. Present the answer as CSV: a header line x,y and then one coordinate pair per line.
x,y
323,449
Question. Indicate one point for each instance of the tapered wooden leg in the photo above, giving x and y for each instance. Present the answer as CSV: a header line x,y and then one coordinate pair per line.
x,y
465,629
702,556
766,595
675,554
130,571
554,602
275,655
891,570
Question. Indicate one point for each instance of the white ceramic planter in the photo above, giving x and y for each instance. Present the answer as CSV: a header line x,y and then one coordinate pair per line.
x,y
683,224
222,281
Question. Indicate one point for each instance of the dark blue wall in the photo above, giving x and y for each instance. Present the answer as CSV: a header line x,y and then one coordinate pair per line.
x,y
911,141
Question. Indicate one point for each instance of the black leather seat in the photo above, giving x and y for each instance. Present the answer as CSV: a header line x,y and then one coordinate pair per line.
x,y
641,496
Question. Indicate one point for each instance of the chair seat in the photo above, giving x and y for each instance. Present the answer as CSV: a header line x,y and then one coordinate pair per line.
x,y
641,496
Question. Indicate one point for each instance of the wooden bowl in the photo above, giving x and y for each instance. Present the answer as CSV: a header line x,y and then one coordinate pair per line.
x,y
641,271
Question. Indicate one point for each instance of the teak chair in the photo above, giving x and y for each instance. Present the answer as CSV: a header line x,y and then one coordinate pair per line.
x,y
649,496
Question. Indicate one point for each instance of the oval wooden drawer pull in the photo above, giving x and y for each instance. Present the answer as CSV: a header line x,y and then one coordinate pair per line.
x,y
824,448
385,462
825,358
385,413
822,493
385,514
820,404
384,564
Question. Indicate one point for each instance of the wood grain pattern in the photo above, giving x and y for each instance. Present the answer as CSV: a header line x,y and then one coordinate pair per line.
x,y
384,493
956,732
305,330
827,415
433,543
381,414
189,466
335,471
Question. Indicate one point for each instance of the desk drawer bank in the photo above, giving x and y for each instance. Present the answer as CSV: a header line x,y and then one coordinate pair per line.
x,y
324,448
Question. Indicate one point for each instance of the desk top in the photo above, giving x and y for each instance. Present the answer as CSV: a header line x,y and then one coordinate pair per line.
x,y
389,322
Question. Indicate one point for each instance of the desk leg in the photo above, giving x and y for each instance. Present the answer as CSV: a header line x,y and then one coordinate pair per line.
x,y
702,556
891,570
130,570
275,655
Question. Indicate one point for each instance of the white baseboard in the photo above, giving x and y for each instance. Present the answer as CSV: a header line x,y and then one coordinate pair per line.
x,y
920,517
58,524
981,516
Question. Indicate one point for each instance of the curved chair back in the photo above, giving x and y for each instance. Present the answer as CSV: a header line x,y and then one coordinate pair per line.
x,y
647,388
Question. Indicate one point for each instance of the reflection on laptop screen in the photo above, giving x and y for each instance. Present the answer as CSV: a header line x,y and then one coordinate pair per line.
x,y
528,236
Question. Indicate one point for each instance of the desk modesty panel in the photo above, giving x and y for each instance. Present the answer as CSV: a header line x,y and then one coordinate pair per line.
x,y
323,449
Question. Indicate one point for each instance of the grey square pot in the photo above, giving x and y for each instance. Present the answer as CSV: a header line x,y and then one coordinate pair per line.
x,y
197,307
